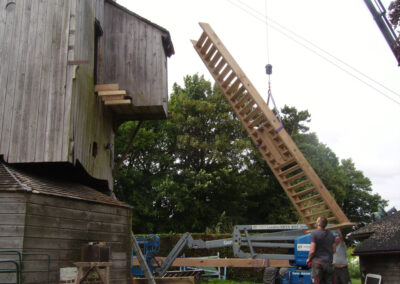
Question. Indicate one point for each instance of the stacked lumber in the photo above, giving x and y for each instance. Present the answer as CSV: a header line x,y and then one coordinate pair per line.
x,y
114,98
110,94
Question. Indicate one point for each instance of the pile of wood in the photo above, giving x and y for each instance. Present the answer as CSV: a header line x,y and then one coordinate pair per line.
x,y
111,95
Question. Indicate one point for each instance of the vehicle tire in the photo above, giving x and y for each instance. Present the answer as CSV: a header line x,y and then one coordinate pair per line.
x,y
270,275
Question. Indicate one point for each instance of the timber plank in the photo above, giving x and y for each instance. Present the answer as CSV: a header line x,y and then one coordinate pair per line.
x,y
117,102
106,87
16,147
223,262
111,93
11,41
60,83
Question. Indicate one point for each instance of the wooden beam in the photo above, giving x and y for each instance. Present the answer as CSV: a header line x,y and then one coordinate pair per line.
x,y
106,87
117,102
224,262
112,93
113,97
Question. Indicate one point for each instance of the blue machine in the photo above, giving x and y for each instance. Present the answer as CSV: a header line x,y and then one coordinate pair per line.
x,y
300,273
291,237
150,246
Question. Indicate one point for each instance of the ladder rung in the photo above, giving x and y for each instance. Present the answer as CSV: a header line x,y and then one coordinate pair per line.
x,y
229,80
238,93
201,40
246,109
252,114
300,184
242,100
318,213
308,198
219,66
303,192
257,121
210,53
313,206
233,87
290,170
285,164
224,72
206,46
296,176
215,59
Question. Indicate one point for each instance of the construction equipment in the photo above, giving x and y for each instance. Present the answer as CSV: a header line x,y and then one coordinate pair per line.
x,y
378,11
150,246
277,242
298,179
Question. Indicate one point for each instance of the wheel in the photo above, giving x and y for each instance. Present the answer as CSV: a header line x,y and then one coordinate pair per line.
x,y
270,275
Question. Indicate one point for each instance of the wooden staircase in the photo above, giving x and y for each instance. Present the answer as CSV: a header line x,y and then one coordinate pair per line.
x,y
114,98
298,179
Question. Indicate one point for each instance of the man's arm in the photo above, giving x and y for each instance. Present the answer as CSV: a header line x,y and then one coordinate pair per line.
x,y
312,251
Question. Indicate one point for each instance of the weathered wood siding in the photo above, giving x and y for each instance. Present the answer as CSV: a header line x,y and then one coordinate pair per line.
x,y
33,56
386,265
48,109
12,222
135,59
91,123
59,227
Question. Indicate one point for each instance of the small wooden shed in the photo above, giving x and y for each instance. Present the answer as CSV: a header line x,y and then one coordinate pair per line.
x,y
379,250
57,217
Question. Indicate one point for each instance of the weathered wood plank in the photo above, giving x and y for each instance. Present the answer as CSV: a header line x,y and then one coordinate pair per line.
x,y
112,93
17,208
58,202
33,209
16,146
59,84
7,83
73,234
117,102
12,219
106,87
11,231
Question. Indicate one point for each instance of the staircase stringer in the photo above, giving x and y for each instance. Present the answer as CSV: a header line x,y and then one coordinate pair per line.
x,y
288,164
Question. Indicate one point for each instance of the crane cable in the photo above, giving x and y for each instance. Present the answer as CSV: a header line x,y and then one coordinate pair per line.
x,y
268,69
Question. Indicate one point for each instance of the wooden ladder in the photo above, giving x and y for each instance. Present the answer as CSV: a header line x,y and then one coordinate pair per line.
x,y
298,179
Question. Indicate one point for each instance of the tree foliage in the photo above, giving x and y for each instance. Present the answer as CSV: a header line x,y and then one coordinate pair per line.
x,y
199,169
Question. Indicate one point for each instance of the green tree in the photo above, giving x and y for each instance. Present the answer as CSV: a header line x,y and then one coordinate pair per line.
x,y
199,169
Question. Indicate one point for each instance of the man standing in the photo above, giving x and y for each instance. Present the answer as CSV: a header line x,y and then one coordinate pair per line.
x,y
321,253
340,261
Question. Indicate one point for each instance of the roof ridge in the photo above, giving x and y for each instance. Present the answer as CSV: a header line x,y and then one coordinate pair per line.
x,y
23,185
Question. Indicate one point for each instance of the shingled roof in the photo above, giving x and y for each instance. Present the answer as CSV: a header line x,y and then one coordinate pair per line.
x,y
17,180
384,236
